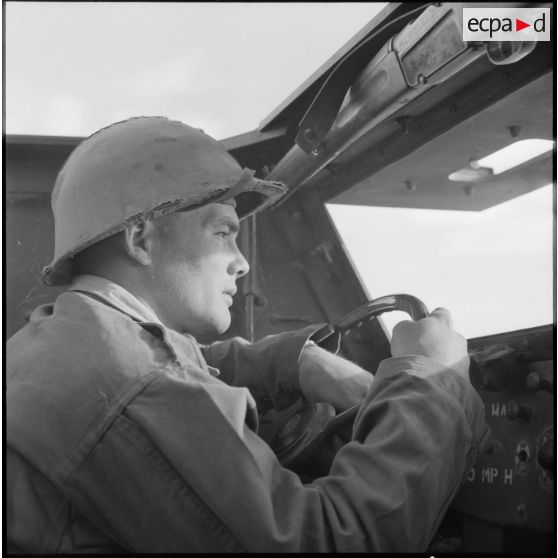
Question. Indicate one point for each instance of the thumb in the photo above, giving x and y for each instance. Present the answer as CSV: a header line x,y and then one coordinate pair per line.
x,y
444,315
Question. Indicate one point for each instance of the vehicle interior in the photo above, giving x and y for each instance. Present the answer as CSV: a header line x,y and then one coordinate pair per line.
x,y
398,117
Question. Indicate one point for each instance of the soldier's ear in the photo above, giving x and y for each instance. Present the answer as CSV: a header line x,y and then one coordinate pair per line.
x,y
138,241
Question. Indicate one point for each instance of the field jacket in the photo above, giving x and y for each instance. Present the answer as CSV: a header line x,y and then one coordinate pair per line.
x,y
122,435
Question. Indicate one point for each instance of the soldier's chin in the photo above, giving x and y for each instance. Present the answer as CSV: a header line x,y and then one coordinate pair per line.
x,y
211,326
224,329
221,325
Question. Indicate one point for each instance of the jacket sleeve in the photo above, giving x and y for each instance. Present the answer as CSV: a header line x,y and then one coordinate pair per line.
x,y
179,469
268,367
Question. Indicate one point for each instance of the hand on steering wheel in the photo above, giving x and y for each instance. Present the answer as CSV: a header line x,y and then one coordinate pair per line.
x,y
309,439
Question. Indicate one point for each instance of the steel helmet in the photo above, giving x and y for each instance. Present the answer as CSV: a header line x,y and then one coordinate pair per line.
x,y
139,168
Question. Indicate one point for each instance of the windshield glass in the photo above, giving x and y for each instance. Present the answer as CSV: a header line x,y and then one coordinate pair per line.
x,y
492,269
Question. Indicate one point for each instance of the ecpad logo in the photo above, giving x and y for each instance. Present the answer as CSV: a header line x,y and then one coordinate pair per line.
x,y
506,24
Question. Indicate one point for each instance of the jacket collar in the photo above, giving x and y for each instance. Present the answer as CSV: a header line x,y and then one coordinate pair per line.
x,y
123,300
116,296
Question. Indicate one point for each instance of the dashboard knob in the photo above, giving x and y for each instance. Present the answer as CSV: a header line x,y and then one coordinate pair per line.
x,y
534,383
515,411
546,457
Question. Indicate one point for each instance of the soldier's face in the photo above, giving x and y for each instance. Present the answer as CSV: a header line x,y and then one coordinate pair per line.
x,y
196,263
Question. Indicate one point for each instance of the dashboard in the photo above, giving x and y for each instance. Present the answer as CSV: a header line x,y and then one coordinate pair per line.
x,y
511,488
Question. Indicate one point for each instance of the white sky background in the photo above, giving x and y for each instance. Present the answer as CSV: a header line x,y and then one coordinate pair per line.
x,y
493,269
72,68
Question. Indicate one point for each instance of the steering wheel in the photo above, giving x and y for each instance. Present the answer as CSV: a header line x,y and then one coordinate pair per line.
x,y
308,440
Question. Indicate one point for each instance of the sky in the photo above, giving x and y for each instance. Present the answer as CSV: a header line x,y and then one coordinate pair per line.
x,y
492,269
72,68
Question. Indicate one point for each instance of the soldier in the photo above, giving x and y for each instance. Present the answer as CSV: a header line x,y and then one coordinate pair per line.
x,y
125,434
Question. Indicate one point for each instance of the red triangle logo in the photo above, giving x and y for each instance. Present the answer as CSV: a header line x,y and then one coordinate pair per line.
x,y
519,25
